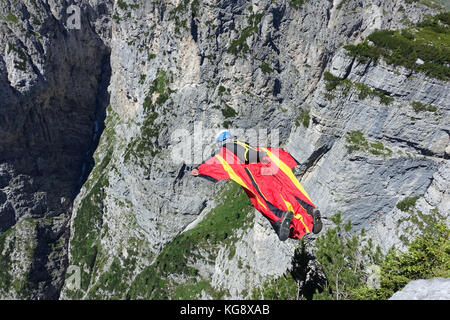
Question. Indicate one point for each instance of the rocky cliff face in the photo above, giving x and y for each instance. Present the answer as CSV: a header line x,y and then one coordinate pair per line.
x,y
53,90
137,229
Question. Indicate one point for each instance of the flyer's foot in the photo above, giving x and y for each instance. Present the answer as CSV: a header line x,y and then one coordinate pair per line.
x,y
285,226
317,221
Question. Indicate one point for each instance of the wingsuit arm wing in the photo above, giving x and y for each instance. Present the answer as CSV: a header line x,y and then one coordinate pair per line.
x,y
284,156
212,169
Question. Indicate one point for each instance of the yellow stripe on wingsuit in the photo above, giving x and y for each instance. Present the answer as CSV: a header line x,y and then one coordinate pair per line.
x,y
288,205
246,147
235,177
285,168
298,216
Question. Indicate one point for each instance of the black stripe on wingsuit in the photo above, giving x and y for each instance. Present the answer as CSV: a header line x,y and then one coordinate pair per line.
x,y
254,183
208,178
279,213
309,208
239,151
298,163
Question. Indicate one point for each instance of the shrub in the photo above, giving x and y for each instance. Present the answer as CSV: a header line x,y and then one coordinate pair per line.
x,y
428,256
429,40
331,81
297,4
240,44
282,288
407,203
221,90
419,107
228,112
338,257
265,68
303,118
11,18
362,90
122,4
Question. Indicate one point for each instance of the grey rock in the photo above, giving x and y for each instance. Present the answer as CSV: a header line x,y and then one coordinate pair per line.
x,y
430,289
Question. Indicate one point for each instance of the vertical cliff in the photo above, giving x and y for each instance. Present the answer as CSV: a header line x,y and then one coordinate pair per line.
x,y
128,221
53,92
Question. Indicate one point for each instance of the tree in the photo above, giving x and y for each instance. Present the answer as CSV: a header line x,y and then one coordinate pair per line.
x,y
338,256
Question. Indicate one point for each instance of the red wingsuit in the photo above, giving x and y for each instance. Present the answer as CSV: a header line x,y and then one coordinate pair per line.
x,y
270,185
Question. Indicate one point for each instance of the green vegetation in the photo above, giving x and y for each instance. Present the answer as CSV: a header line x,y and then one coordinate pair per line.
x,y
350,261
341,4
364,92
227,124
180,10
5,261
102,275
122,4
87,224
428,256
35,20
332,82
160,87
265,68
297,4
228,112
377,148
303,118
430,3
444,3
357,142
240,44
17,247
142,79
429,41
111,284
418,222
11,18
408,203
20,64
194,289
216,229
282,288
87,221
338,257
140,146
328,96
221,91
110,281
421,107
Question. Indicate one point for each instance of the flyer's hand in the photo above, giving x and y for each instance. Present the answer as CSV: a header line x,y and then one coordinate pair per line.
x,y
265,160
194,172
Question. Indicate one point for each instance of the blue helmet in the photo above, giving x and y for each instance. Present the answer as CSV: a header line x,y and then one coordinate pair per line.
x,y
223,135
